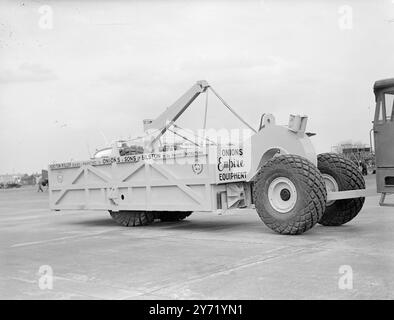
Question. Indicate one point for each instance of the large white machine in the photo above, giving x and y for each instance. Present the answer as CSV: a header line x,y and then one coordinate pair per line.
x,y
273,168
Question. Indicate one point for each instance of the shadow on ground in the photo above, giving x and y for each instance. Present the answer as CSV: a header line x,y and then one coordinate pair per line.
x,y
215,224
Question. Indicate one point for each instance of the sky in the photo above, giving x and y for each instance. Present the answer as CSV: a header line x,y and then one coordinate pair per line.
x,y
93,71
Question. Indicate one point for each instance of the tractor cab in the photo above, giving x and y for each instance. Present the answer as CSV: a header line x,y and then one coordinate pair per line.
x,y
383,128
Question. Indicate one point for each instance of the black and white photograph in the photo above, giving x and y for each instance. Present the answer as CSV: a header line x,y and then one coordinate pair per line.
x,y
194,150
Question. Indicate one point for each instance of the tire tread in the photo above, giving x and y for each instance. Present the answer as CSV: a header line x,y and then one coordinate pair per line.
x,y
132,218
342,211
314,200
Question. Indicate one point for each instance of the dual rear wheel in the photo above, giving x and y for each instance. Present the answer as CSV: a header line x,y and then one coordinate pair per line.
x,y
340,174
143,218
290,192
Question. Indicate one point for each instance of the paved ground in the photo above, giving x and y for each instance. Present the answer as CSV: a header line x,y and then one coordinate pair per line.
x,y
206,256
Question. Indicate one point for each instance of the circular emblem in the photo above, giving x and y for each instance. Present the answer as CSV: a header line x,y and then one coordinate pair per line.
x,y
60,178
197,168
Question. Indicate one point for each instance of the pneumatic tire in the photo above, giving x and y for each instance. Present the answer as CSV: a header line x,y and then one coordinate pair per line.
x,y
289,194
340,174
169,216
132,218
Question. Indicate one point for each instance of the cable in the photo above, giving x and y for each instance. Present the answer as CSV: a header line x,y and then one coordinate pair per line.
x,y
232,111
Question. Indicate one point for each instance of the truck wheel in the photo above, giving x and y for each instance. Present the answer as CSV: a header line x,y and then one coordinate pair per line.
x,y
132,218
289,194
340,174
173,216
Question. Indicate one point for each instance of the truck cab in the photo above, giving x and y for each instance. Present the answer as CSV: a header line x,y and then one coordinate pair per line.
x,y
383,128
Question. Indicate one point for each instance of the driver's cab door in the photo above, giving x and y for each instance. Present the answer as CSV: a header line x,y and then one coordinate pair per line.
x,y
384,128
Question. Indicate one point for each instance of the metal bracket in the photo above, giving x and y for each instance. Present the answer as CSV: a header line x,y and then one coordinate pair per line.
x,y
113,195
382,198
266,120
297,123
348,194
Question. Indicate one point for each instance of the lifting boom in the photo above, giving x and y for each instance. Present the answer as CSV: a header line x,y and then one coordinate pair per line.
x,y
167,119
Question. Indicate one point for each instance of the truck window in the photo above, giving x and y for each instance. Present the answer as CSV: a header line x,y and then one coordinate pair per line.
x,y
379,111
389,101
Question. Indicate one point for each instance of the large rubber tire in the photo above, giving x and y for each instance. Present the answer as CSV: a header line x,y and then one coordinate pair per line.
x,y
132,218
310,196
169,216
347,177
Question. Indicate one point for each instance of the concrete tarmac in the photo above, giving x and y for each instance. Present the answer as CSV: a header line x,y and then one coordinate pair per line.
x,y
204,257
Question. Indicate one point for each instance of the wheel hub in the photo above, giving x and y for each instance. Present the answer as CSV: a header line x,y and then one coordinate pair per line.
x,y
282,194
285,194
331,186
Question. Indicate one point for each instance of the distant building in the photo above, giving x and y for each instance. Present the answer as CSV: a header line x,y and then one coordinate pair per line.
x,y
10,178
28,179
22,179
358,153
